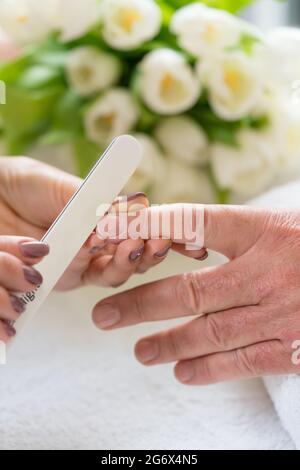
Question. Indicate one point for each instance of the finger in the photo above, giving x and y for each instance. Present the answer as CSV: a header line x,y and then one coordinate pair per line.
x,y
16,276
209,290
155,252
28,250
194,225
201,254
132,203
217,332
11,307
266,358
7,332
120,267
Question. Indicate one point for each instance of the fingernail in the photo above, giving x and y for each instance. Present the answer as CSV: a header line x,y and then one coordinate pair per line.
x,y
163,253
18,304
10,331
204,256
34,249
129,197
97,248
107,316
136,254
32,275
147,351
115,241
185,372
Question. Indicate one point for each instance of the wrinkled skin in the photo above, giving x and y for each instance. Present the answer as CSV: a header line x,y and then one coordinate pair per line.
x,y
246,312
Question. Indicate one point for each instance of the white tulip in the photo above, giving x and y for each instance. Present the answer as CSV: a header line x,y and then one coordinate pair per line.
x,y
283,53
152,169
27,21
90,70
113,114
202,31
289,129
234,82
248,168
30,21
183,138
183,184
167,82
129,23
73,18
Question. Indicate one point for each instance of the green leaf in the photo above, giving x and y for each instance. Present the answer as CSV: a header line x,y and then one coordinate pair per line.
x,y
54,137
86,154
27,113
38,76
67,113
10,71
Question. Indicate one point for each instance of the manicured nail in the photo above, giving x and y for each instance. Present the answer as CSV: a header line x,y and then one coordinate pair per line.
x,y
136,254
97,248
163,253
185,372
10,331
34,249
203,256
107,316
18,304
32,275
146,351
130,197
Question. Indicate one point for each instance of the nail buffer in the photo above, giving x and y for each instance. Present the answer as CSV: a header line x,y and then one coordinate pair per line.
x,y
80,216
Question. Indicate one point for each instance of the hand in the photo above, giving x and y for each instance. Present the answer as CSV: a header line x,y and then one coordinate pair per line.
x,y
32,194
247,311
17,257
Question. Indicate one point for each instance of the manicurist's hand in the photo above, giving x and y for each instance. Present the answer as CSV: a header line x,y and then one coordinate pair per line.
x,y
245,313
32,195
18,255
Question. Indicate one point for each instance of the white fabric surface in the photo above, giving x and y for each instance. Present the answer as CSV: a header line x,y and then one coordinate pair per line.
x,y
69,386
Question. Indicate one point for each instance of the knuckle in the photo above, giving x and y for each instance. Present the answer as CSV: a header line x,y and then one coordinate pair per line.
x,y
139,307
205,371
247,362
189,291
180,343
214,332
8,264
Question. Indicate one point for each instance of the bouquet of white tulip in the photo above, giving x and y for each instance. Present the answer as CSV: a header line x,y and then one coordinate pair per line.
x,y
207,94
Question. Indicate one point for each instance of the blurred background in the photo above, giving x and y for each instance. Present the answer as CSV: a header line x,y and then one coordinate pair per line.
x,y
213,94
270,13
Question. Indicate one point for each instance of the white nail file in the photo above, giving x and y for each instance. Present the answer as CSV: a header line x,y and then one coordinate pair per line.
x,y
80,216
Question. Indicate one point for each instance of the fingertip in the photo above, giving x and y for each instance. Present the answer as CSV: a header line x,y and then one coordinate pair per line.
x,y
184,372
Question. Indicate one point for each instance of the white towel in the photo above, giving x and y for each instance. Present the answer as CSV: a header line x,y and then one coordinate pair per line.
x,y
285,391
70,386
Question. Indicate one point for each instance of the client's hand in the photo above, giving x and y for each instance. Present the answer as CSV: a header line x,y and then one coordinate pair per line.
x,y
247,311
32,194
17,257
